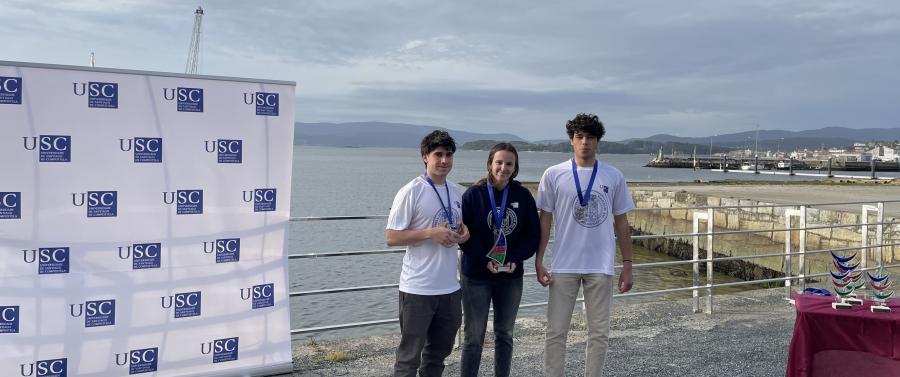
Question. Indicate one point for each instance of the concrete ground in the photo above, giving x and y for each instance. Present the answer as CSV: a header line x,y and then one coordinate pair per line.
x,y
794,193
747,335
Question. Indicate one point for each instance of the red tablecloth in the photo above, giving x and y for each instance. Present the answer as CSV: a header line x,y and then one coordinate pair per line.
x,y
872,338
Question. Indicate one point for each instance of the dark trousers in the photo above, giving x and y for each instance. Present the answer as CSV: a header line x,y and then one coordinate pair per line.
x,y
478,294
428,326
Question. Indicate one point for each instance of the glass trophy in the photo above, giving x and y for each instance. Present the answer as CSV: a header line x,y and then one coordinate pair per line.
x,y
456,228
498,251
846,280
880,283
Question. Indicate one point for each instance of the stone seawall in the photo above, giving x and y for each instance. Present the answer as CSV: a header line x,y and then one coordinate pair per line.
x,y
671,220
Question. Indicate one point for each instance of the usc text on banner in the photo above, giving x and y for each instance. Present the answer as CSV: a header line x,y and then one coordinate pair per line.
x,y
143,223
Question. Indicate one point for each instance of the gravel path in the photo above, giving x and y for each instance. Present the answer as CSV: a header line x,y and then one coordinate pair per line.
x,y
748,335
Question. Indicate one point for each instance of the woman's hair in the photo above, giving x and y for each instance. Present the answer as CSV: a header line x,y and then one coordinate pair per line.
x,y
490,161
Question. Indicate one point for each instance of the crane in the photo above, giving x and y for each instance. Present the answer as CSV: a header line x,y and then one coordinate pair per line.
x,y
193,62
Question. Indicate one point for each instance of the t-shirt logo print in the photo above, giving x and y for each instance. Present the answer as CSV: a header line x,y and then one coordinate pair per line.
x,y
510,221
440,218
593,214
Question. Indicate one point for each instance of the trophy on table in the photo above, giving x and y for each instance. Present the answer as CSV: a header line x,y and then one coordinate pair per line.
x,y
880,283
846,280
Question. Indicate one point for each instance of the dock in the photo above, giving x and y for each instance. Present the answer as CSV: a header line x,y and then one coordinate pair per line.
x,y
766,163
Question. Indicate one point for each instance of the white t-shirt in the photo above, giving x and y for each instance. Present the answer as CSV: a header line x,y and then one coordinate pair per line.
x,y
585,241
428,267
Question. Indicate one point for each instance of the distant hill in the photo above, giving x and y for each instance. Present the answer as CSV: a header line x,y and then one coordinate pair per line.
x,y
829,135
381,134
612,147
550,141
378,134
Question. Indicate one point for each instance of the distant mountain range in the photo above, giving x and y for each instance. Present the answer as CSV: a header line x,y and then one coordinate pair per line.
x,y
379,134
837,133
828,137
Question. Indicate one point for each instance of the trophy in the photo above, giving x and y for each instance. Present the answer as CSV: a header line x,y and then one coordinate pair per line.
x,y
846,280
880,283
498,251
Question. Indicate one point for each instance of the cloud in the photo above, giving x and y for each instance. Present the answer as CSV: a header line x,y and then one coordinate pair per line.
x,y
513,66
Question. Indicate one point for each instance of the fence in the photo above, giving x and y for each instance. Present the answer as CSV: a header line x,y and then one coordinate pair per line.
x,y
704,214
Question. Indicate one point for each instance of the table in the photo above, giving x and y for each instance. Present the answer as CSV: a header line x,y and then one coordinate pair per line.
x,y
849,342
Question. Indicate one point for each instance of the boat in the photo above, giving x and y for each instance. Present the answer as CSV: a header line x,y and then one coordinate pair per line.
x,y
783,165
749,166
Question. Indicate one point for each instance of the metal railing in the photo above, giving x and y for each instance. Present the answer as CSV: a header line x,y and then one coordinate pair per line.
x,y
703,213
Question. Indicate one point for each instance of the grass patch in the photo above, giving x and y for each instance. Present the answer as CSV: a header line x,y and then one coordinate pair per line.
x,y
313,344
337,356
324,355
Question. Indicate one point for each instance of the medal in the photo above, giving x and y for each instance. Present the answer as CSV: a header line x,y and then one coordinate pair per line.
x,y
448,210
585,198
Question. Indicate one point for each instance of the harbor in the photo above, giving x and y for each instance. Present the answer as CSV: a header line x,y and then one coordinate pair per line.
x,y
725,163
225,189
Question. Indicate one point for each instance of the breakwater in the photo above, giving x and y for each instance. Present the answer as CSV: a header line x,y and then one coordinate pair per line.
x,y
669,219
768,163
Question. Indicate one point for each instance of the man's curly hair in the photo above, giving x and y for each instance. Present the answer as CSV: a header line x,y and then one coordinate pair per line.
x,y
585,123
435,140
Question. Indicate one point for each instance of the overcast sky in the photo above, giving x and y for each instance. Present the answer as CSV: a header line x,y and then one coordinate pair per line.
x,y
690,68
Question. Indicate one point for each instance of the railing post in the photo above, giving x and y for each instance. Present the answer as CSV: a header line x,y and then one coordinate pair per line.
x,y
872,164
830,159
879,233
756,164
725,164
709,260
866,208
695,277
584,317
801,275
788,261
459,331
791,166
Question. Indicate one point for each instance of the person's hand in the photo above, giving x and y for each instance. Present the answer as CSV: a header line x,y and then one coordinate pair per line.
x,y
626,279
493,266
543,276
511,266
443,236
463,233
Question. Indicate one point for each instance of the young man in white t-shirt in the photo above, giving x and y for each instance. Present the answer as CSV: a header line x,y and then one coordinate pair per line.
x,y
426,217
587,203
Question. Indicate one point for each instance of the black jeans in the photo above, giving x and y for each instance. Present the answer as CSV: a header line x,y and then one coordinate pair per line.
x,y
477,297
428,326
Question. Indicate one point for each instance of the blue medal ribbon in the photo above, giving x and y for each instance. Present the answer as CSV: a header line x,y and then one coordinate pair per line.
x,y
499,214
585,198
448,210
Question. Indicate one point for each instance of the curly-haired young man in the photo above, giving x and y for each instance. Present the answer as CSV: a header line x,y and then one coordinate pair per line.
x,y
587,203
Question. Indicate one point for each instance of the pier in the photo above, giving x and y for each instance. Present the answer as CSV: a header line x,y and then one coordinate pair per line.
x,y
767,163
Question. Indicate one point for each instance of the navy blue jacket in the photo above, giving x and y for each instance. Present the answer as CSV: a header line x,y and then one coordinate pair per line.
x,y
523,229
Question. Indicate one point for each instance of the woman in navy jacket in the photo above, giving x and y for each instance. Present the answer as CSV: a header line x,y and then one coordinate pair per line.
x,y
484,280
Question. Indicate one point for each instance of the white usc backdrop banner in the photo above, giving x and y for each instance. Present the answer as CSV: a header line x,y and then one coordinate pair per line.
x,y
143,223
